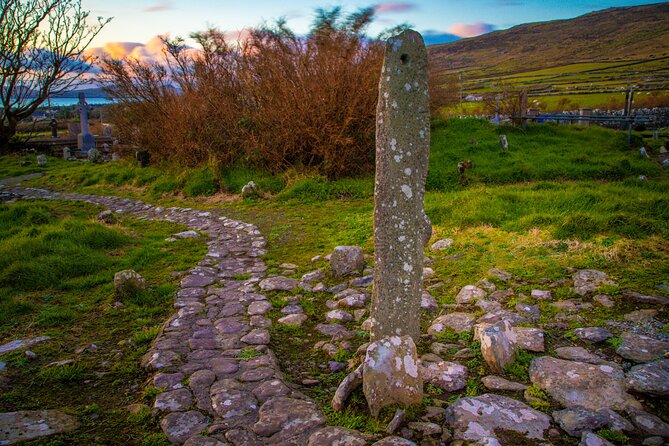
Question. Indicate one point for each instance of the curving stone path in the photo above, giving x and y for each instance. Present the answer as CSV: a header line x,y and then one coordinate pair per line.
x,y
211,357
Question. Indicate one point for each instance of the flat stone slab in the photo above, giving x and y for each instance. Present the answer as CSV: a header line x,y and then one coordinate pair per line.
x,y
21,343
278,283
288,421
639,348
180,426
476,419
651,378
573,383
30,424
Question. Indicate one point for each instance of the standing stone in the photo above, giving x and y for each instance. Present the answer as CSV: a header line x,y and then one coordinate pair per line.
x,y
504,143
85,140
41,160
66,153
401,228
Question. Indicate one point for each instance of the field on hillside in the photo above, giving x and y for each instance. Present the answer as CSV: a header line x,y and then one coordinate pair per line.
x,y
563,198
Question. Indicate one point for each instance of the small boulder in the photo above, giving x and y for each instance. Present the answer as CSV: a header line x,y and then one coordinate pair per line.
x,y
336,436
588,280
293,319
441,245
500,274
41,160
651,378
573,383
478,419
492,382
648,423
541,295
575,420
347,260
107,217
590,439
338,316
186,234
250,190
457,321
531,339
498,345
592,334
128,283
639,348
448,376
469,294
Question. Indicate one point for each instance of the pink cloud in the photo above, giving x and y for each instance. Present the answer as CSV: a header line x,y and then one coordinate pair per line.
x,y
162,6
391,7
470,29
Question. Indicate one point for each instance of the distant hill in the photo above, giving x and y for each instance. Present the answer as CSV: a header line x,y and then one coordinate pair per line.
x,y
611,34
598,52
90,93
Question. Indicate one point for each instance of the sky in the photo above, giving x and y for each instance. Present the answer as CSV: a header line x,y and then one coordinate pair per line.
x,y
136,23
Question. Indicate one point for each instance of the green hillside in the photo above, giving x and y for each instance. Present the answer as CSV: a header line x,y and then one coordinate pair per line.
x,y
594,56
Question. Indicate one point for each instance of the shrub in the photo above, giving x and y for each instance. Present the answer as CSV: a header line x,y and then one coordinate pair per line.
x,y
280,100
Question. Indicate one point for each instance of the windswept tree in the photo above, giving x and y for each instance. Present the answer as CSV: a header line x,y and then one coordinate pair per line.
x,y
42,45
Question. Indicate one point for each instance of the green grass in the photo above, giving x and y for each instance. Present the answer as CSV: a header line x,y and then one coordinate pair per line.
x,y
58,265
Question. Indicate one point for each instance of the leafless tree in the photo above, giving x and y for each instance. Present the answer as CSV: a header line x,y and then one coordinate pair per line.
x,y
42,45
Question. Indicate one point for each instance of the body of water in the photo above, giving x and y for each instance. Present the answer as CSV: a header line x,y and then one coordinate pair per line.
x,y
67,102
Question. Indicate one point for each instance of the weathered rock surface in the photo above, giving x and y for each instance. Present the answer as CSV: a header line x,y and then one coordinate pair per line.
x,y
639,348
648,423
180,426
21,343
336,436
390,373
651,378
457,321
477,418
576,420
24,425
645,298
470,294
498,345
590,439
531,339
401,227
588,280
449,376
352,381
590,386
592,334
128,283
492,382
347,260
278,283
441,245
581,355
394,441
288,421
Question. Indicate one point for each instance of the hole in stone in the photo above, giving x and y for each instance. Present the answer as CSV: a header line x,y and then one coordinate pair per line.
x,y
404,58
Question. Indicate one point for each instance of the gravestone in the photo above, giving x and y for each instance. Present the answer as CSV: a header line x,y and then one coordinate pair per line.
x,y
66,153
85,140
503,142
41,160
585,112
401,228
143,157
53,124
116,157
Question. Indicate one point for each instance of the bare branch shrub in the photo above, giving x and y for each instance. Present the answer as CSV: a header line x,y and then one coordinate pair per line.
x,y
276,101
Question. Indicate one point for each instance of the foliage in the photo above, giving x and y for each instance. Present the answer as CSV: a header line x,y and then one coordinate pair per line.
x,y
613,436
278,100
42,47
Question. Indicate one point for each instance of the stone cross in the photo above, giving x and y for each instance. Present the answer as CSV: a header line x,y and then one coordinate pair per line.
x,y
401,228
85,141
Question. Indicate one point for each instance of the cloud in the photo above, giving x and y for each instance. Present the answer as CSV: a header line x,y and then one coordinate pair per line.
x,y
434,37
159,7
392,7
470,29
152,51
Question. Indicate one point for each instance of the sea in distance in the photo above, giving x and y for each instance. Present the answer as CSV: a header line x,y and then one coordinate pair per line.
x,y
68,102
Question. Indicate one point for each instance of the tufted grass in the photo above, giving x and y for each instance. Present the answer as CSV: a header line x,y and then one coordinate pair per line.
x,y
56,280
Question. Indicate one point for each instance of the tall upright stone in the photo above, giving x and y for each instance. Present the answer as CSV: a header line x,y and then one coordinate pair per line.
x,y
85,140
401,228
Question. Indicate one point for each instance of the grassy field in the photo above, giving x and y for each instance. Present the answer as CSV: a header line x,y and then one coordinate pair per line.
x,y
58,265
562,197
